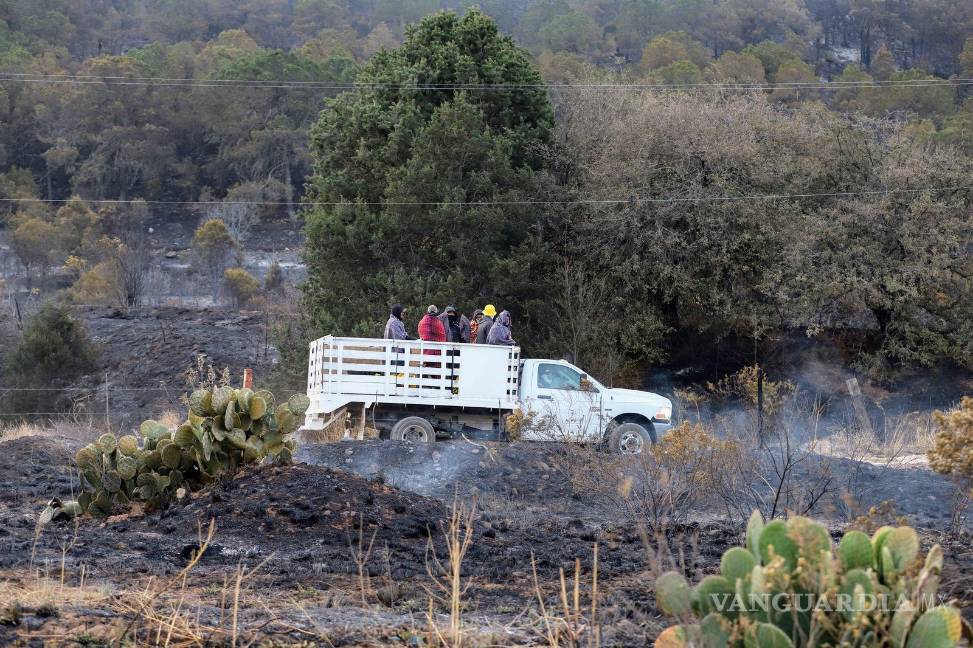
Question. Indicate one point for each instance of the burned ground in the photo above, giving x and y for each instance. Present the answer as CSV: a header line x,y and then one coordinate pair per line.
x,y
303,523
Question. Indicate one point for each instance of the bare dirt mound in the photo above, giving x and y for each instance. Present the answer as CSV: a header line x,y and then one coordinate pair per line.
x,y
145,352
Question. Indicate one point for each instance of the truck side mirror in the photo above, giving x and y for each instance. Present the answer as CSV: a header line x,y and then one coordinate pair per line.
x,y
586,384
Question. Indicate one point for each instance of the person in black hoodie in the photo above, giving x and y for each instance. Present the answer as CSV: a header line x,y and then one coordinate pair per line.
x,y
450,320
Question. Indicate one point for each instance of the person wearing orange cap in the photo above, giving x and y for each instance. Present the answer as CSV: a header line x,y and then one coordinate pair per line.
x,y
486,323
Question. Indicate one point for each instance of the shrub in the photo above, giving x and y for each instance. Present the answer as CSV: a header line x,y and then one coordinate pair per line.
x,y
213,250
99,285
225,430
788,587
952,451
32,243
274,281
240,285
54,351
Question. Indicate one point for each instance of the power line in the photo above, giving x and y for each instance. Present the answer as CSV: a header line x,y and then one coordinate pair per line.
x,y
488,203
475,87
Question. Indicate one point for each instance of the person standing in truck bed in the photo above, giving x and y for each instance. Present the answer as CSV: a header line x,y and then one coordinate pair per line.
x,y
500,331
395,327
483,330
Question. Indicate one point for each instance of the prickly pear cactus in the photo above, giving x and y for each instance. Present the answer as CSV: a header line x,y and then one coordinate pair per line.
x,y
225,430
791,588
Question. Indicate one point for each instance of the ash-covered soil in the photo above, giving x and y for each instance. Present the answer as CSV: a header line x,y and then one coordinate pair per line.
x,y
302,523
531,477
145,352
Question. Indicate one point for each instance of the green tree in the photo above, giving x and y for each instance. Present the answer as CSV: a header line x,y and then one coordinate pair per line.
x,y
679,73
34,242
672,47
772,55
54,352
240,285
882,66
732,67
573,31
966,59
393,143
213,250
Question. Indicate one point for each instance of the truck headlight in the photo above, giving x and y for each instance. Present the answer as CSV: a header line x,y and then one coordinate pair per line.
x,y
663,413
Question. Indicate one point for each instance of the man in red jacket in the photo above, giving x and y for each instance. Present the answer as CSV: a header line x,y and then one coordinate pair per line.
x,y
431,327
431,330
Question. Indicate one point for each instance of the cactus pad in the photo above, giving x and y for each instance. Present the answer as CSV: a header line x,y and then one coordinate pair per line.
x,y
855,551
737,563
201,402
128,445
775,537
298,404
127,467
939,627
258,407
673,637
765,635
107,443
184,436
672,593
243,397
171,456
221,398
902,544
716,594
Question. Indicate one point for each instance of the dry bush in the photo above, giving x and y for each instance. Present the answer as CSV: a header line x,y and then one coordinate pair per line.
x,y
662,486
744,385
952,452
171,419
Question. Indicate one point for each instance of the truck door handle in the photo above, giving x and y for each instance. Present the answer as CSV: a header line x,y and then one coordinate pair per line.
x,y
544,398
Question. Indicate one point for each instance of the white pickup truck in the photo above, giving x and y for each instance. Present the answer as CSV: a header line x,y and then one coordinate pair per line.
x,y
422,391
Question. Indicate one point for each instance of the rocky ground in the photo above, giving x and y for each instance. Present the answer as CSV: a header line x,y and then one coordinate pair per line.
x,y
305,530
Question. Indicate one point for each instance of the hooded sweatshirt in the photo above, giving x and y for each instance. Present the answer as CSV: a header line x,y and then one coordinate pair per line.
x,y
500,331
395,328
483,329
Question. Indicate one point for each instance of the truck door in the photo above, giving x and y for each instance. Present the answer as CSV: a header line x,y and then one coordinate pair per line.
x,y
562,407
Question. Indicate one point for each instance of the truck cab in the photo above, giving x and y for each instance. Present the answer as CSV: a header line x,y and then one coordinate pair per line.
x,y
560,402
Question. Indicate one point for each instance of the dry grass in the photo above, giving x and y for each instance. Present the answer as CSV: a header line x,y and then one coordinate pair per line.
x,y
573,622
904,441
448,586
171,418
74,428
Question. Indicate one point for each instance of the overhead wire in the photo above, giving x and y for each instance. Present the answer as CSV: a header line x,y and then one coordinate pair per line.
x,y
115,80
488,203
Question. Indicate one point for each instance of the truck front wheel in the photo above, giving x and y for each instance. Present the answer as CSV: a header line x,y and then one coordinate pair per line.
x,y
413,428
631,438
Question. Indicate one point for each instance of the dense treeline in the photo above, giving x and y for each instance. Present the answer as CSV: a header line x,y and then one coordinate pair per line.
x,y
154,141
885,276
872,252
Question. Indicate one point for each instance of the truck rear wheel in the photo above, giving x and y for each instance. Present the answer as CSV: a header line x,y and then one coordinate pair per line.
x,y
413,428
631,438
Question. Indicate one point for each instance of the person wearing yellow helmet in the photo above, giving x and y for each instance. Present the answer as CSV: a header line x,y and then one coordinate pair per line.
x,y
485,324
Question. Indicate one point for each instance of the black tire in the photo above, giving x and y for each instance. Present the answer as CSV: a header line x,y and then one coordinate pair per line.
x,y
413,428
631,438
